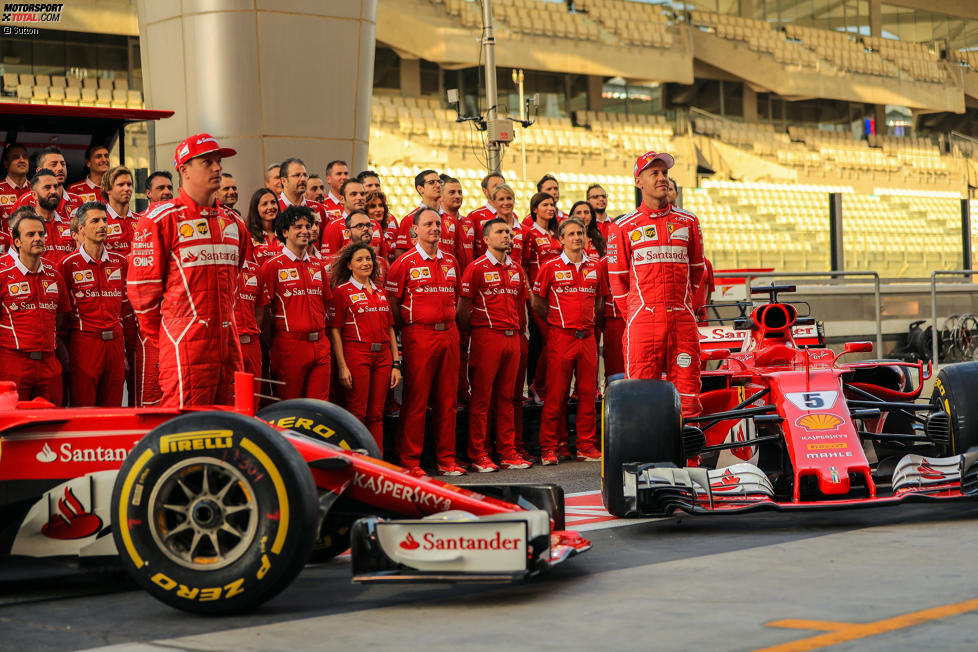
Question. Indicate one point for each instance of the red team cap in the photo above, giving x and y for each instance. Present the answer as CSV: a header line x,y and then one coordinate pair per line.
x,y
645,160
198,145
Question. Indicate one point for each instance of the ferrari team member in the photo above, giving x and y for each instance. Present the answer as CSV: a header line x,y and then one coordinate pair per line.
x,y
117,188
362,332
484,213
539,246
427,184
47,193
422,288
612,331
337,234
16,184
227,194
91,187
297,292
5,243
655,265
548,184
337,174
569,292
370,180
32,298
493,295
361,229
191,252
597,197
159,187
262,211
294,180
51,158
503,199
95,283
316,189
273,179
456,241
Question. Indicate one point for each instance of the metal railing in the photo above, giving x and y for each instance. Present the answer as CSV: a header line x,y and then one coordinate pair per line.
x,y
933,307
834,274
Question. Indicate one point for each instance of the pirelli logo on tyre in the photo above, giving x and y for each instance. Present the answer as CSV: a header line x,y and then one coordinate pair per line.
x,y
196,441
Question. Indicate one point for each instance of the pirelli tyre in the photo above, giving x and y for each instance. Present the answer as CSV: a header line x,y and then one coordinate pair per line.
x,y
640,422
322,420
954,393
330,423
214,512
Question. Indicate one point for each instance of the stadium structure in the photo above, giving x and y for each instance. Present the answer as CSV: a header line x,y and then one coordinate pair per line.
x,y
810,135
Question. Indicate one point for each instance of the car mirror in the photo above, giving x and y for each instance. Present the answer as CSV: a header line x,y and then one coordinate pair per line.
x,y
859,347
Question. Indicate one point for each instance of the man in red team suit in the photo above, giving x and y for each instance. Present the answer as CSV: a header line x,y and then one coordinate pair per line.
x,y
46,190
117,187
570,293
248,312
95,282
337,173
493,294
32,298
190,252
655,265
16,183
97,163
337,235
294,180
475,219
423,286
427,184
298,295
51,158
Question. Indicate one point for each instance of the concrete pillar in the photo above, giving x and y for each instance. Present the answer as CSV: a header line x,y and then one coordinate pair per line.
x,y
270,78
875,18
750,104
746,8
411,77
595,102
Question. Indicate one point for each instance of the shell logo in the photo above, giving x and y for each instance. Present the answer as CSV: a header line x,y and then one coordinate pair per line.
x,y
636,235
819,421
79,276
283,275
186,230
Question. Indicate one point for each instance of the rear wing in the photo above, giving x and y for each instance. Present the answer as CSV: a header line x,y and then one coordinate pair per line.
x,y
732,339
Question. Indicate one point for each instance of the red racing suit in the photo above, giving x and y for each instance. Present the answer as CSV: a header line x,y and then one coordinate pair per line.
x,y
86,191
655,267
9,194
183,280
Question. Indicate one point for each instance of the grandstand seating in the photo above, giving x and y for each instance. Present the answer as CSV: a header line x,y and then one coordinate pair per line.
x,y
72,91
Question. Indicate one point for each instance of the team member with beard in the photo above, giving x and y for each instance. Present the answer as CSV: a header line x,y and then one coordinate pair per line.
x,y
95,282
32,298
51,158
47,193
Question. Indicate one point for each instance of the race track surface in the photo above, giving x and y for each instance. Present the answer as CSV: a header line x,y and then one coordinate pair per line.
x,y
892,578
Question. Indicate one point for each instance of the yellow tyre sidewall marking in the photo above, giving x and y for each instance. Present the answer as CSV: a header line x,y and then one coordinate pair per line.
x,y
123,516
283,500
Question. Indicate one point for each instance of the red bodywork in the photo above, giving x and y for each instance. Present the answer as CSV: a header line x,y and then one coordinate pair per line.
x,y
805,386
43,445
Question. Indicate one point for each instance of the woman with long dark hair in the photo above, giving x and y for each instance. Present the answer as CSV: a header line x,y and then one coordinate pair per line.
x,y
378,210
540,244
596,245
362,333
262,211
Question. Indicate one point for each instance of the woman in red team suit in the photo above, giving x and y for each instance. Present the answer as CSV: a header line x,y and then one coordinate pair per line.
x,y
596,245
262,210
362,332
540,244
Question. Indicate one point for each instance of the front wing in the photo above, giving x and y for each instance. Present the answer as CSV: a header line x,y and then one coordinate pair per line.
x,y
662,489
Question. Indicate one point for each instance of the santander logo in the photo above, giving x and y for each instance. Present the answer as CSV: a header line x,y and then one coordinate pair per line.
x,y
410,543
71,520
46,454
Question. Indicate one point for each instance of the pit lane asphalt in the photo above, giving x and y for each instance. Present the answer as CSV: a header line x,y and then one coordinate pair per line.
x,y
681,583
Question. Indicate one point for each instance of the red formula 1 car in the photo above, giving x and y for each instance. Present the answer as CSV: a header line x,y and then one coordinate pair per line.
x,y
787,424
215,511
